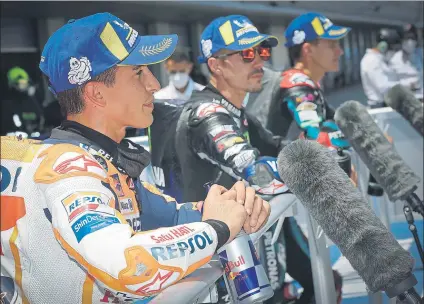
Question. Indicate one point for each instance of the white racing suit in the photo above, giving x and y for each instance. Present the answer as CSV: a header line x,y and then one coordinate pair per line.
x,y
71,229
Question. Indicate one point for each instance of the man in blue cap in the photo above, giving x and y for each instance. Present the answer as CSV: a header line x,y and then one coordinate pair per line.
x,y
212,134
74,203
300,107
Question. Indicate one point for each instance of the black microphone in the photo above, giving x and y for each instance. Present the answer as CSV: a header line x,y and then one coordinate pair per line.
x,y
313,175
384,163
404,102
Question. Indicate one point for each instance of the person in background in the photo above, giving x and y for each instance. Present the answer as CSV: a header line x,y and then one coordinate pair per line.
x,y
292,103
180,86
377,75
21,111
406,62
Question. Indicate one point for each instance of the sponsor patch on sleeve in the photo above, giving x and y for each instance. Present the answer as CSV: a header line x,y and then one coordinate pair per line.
x,y
228,142
207,109
92,222
81,202
243,159
306,106
233,150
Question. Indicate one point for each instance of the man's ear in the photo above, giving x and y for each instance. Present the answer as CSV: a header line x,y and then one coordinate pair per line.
x,y
306,49
213,64
93,94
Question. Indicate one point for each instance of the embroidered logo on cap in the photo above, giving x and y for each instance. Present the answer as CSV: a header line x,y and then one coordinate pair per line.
x,y
298,37
206,47
157,48
79,70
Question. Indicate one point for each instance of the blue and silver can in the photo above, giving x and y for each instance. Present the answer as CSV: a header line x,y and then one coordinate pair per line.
x,y
245,274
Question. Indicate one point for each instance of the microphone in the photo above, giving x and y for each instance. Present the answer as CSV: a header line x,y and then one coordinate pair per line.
x,y
313,175
384,163
404,102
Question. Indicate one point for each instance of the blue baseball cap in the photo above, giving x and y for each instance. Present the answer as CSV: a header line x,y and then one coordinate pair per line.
x,y
234,32
311,26
86,47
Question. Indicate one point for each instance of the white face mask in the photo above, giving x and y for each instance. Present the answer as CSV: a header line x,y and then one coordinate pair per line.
x,y
179,80
408,46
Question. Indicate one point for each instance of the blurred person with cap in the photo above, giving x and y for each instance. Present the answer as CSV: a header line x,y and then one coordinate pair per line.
x,y
377,75
298,107
180,86
407,63
78,207
21,111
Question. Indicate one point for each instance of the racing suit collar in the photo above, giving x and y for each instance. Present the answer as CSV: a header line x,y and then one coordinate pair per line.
x,y
224,102
104,142
126,155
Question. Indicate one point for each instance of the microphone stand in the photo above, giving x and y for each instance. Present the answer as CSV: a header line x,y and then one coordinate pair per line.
x,y
410,219
405,291
416,204
410,297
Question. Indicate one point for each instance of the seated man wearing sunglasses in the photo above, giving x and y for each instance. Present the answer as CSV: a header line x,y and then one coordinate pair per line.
x,y
215,141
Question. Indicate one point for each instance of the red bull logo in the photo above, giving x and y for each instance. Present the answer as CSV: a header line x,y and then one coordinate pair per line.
x,y
230,265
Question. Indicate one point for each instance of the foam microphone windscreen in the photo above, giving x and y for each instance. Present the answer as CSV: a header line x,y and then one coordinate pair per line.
x,y
404,102
313,175
384,163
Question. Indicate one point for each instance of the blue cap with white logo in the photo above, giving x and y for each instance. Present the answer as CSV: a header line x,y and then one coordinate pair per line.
x,y
311,26
234,32
84,48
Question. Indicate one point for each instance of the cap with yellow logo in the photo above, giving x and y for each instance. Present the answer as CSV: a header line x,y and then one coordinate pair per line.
x,y
234,32
84,48
311,26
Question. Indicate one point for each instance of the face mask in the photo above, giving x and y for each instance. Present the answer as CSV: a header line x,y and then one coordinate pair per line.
x,y
31,91
22,85
408,46
179,80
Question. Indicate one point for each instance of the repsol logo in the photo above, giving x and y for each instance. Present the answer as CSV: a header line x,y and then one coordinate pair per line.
x,y
84,200
173,251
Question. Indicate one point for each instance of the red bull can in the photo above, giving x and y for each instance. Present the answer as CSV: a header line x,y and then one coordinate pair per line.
x,y
245,274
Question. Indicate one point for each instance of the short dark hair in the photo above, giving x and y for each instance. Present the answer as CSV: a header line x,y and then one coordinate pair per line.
x,y
72,102
179,56
295,52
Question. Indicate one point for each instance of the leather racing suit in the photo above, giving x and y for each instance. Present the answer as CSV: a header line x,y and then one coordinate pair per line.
x,y
298,108
78,226
216,142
